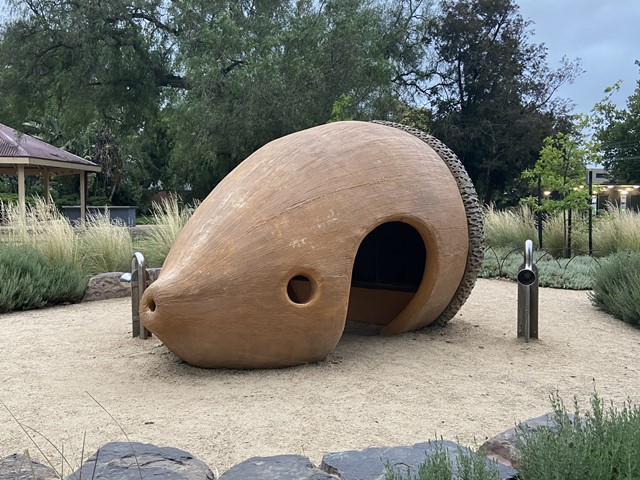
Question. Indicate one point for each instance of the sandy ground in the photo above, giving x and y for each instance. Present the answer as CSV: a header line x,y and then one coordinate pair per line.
x,y
467,381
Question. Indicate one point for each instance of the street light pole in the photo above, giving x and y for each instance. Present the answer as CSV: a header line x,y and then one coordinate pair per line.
x,y
539,212
590,213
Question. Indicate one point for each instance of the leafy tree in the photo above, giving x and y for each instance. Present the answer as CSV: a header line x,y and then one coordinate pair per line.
x,y
178,93
98,68
262,71
216,79
561,168
491,91
618,131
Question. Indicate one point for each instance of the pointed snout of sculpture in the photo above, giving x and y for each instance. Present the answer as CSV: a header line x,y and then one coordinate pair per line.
x,y
150,310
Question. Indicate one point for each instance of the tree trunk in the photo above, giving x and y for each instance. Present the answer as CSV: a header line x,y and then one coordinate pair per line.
x,y
569,235
564,233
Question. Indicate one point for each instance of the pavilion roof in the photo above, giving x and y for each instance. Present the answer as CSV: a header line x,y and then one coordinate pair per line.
x,y
17,148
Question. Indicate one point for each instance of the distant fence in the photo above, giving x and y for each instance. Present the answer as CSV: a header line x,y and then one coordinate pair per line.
x,y
502,255
124,214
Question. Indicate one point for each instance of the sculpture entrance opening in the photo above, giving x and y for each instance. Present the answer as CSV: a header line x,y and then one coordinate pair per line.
x,y
387,273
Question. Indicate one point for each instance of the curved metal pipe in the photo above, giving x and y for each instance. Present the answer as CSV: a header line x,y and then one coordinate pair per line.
x,y
138,280
528,254
528,295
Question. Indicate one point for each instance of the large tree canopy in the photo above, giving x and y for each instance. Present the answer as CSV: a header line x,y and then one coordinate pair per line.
x,y
261,71
219,78
492,92
618,131
178,93
98,68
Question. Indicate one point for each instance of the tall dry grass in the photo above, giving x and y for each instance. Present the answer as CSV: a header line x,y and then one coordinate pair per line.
x,y
169,217
613,231
509,228
617,231
45,229
97,247
553,235
105,246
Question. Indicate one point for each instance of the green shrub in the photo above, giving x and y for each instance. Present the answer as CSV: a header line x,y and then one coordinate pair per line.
x,y
509,228
601,444
571,274
145,220
437,465
29,281
8,197
616,287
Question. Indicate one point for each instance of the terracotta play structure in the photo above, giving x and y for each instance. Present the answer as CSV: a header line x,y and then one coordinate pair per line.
x,y
374,223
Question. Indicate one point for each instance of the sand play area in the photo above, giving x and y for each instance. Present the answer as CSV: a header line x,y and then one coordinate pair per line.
x,y
467,381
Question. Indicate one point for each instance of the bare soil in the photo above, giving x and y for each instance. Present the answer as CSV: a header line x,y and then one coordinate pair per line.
x,y
466,382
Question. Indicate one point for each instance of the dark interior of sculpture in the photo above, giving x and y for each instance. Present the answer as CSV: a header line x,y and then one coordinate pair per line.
x,y
387,273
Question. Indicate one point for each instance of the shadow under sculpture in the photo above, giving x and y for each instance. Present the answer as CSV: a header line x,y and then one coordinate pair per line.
x,y
369,222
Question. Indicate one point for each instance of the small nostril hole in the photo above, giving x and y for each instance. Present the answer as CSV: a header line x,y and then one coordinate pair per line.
x,y
151,305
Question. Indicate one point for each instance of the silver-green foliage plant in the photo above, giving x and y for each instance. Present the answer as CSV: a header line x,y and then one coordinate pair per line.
x,y
30,281
603,443
616,287
572,274
470,465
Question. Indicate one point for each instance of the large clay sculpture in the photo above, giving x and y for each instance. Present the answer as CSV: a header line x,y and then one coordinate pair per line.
x,y
370,222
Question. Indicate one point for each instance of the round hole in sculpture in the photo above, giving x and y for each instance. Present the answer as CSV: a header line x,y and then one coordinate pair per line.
x,y
300,289
387,273
151,305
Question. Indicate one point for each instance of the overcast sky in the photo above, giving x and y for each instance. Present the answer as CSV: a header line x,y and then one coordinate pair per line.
x,y
605,34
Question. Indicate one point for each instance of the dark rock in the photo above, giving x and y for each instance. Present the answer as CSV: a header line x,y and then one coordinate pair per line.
x,y
20,467
116,460
370,464
280,467
502,447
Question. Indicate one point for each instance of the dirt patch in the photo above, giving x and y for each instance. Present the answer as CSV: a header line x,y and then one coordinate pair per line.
x,y
467,381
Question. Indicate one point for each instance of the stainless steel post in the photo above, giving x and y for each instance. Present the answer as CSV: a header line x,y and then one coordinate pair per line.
x,y
139,281
528,295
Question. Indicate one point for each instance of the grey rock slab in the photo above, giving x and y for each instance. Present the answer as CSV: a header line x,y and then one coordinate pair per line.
x,y
279,467
130,461
20,467
502,447
370,464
